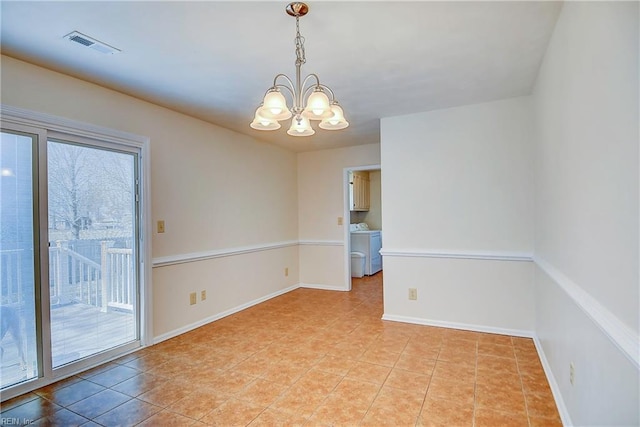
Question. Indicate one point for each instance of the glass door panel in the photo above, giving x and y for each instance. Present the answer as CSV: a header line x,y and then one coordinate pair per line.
x,y
18,288
93,273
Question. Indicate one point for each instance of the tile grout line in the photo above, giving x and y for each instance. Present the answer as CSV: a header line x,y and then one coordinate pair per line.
x,y
524,394
429,385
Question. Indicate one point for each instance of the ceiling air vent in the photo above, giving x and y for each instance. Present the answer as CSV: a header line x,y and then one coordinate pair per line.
x,y
90,42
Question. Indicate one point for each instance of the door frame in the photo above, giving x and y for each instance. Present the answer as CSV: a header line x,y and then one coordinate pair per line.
x,y
42,124
347,219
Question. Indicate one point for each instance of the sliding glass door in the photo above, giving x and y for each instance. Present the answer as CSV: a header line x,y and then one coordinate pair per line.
x,y
92,250
70,253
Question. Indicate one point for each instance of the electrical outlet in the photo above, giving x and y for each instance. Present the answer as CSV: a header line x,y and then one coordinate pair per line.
x,y
413,294
193,298
572,372
203,295
286,272
339,220
161,226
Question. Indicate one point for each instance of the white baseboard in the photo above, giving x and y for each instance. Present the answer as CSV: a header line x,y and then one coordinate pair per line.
x,y
462,326
218,316
555,389
323,287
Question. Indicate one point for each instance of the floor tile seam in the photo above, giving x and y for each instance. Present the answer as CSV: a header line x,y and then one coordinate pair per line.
x,y
115,384
86,378
386,376
35,396
320,404
76,401
557,417
475,386
217,407
288,385
496,356
124,363
287,388
425,396
369,407
173,411
96,416
60,408
517,414
141,421
524,394
41,397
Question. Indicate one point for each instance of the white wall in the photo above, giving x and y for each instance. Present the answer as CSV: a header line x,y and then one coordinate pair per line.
x,y
587,184
321,194
459,182
216,189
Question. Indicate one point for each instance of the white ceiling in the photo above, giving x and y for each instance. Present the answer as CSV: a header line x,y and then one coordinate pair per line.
x,y
214,60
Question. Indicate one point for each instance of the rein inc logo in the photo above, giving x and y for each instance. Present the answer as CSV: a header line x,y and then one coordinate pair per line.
x,y
14,421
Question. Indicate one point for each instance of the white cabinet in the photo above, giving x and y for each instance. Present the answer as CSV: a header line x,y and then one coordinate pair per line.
x,y
359,191
369,243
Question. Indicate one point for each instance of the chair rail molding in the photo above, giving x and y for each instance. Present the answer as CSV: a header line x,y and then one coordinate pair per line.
x,y
321,243
622,336
441,253
219,253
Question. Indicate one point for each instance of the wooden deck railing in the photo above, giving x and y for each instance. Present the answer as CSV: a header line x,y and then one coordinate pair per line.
x,y
110,284
73,276
118,289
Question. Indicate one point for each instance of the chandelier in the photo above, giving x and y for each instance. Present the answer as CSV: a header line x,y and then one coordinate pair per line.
x,y
311,100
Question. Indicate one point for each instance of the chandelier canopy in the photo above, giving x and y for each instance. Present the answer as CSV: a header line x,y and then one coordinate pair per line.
x,y
311,100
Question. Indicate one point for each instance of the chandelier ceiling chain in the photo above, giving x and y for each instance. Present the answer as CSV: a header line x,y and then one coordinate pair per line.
x,y
299,40
311,100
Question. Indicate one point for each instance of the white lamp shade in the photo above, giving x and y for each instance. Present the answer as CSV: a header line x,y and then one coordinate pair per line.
x,y
318,106
336,121
275,106
300,126
262,123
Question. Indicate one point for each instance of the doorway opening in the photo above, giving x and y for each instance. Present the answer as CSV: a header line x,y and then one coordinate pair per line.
x,y
363,222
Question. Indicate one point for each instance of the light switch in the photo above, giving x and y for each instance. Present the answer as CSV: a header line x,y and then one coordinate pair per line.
x,y
161,226
339,220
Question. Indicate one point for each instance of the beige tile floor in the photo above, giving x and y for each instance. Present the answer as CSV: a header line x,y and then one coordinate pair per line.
x,y
313,358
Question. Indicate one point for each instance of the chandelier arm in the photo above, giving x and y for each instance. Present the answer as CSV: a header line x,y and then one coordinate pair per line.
x,y
304,92
325,87
328,89
307,90
275,81
282,86
306,79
